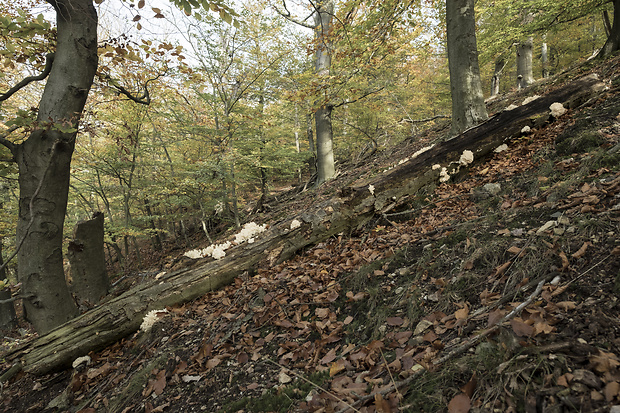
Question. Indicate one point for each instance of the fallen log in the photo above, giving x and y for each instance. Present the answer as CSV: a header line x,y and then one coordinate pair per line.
x,y
352,207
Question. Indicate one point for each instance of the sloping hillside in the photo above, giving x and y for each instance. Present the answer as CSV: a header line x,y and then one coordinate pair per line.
x,y
495,291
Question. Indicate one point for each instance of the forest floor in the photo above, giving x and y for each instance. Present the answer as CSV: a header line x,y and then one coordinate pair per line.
x,y
477,298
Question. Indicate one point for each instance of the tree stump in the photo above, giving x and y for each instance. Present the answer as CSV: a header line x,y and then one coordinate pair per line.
x,y
89,280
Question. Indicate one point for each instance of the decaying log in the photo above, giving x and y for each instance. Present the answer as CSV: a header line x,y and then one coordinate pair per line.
x,y
353,207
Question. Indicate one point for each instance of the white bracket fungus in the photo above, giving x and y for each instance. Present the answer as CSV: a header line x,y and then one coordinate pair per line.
x,y
466,158
500,148
557,109
295,224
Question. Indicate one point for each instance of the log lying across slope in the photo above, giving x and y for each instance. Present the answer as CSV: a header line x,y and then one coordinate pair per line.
x,y
354,206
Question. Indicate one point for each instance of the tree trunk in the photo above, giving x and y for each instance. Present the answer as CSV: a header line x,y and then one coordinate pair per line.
x,y
497,73
326,168
8,318
468,107
613,40
311,145
544,58
44,162
525,75
155,237
90,281
349,209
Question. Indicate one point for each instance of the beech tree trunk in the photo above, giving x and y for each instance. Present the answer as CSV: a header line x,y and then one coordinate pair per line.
x,y
326,168
497,74
525,75
90,281
350,208
44,161
7,310
613,40
468,108
544,58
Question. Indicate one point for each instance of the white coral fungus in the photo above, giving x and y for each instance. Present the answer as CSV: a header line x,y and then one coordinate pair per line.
x,y
248,232
526,129
466,158
443,175
150,319
295,224
371,189
194,254
436,166
530,99
511,107
557,109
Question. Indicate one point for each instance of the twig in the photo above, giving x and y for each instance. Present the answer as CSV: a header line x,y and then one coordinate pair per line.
x,y
49,59
314,385
17,297
400,396
424,120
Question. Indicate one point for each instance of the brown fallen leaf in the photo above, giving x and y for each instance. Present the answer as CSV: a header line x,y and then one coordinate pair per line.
x,y
461,403
395,321
514,250
470,387
381,404
502,268
462,313
336,367
329,357
520,328
582,251
565,262
612,391
494,317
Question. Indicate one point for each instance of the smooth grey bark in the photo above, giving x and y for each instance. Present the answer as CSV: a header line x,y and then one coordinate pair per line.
x,y
7,310
544,58
44,161
525,74
500,63
468,108
326,168
89,278
613,40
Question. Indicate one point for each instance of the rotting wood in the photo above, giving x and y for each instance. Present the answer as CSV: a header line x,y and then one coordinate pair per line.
x,y
353,207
